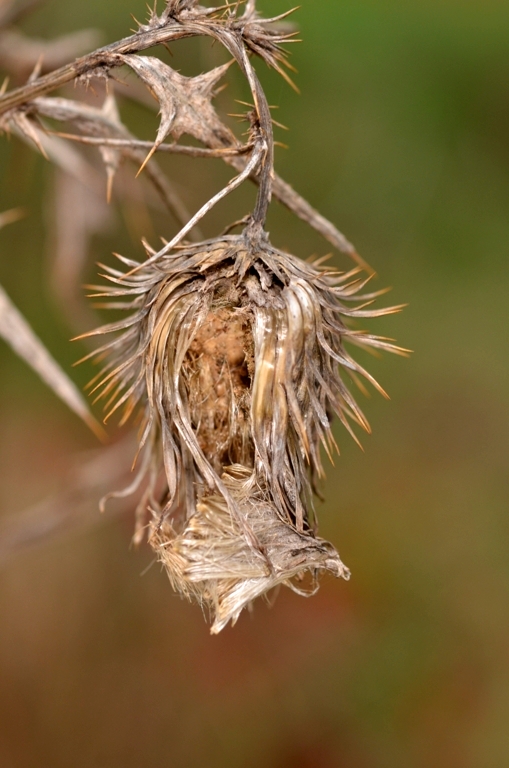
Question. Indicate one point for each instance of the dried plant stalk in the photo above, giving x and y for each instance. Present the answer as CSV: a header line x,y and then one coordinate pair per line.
x,y
232,351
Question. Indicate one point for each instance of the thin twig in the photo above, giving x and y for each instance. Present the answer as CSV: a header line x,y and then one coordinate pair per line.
x,y
256,158
178,149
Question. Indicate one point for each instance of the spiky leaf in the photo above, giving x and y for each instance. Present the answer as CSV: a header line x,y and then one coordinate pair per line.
x,y
15,330
185,102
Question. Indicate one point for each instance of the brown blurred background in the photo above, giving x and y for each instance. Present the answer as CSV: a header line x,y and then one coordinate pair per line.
x,y
401,137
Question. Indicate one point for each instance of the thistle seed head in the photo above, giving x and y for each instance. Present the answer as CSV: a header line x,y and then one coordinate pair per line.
x,y
235,354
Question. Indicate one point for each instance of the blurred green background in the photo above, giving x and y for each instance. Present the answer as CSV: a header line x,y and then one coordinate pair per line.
x,y
401,137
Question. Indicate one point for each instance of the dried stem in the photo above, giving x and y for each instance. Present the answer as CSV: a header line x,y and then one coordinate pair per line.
x,y
257,156
177,149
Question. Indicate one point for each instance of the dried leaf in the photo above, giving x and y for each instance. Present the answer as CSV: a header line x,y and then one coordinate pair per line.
x,y
78,188
185,102
15,330
64,156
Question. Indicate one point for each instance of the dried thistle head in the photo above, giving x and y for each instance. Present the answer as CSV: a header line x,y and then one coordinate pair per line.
x,y
236,354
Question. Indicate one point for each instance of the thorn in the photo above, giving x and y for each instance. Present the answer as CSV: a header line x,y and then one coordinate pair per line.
x,y
3,88
109,184
364,264
147,246
281,15
221,89
147,159
36,70
98,430
287,77
290,66
320,260
31,132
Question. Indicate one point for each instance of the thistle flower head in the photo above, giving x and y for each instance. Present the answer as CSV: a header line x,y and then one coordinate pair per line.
x,y
236,355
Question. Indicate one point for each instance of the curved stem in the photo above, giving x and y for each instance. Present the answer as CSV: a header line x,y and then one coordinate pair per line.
x,y
267,169
257,156
235,45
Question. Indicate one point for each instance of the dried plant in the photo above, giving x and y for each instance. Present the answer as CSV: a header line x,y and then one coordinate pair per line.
x,y
233,353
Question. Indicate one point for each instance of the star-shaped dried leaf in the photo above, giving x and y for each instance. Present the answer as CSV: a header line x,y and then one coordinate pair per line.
x,y
185,102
